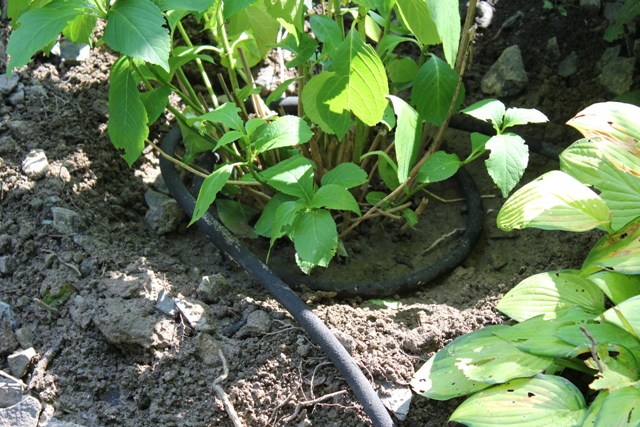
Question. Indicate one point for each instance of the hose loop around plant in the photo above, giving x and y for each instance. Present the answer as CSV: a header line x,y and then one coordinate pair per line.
x,y
316,329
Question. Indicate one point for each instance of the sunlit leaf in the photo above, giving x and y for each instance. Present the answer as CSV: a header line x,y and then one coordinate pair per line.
x,y
551,292
407,136
619,252
541,401
333,196
446,16
508,160
315,237
211,186
346,175
286,131
293,176
626,315
554,201
488,110
620,408
618,287
522,116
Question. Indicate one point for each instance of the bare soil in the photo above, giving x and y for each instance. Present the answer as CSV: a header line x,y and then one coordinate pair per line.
x,y
115,262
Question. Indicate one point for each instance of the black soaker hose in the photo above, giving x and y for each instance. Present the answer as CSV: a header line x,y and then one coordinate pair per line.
x,y
318,331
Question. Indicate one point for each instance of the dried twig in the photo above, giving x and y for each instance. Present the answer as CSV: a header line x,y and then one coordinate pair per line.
x,y
228,406
37,378
63,262
311,402
592,347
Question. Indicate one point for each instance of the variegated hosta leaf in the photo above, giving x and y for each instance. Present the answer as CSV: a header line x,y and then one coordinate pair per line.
x,y
616,122
619,252
554,201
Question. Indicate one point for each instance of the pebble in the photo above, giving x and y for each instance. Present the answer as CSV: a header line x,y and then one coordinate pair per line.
x,y
81,311
8,341
507,76
211,288
197,314
164,214
23,414
6,313
7,264
345,339
617,75
421,339
553,49
125,324
569,65
53,422
208,348
8,85
166,304
5,244
20,361
17,97
35,165
11,390
35,91
258,323
66,221
71,52
397,399
24,336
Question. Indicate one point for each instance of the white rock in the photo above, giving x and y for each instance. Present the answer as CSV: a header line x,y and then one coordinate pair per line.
x,y
8,85
35,165
397,399
11,390
23,414
20,361
197,314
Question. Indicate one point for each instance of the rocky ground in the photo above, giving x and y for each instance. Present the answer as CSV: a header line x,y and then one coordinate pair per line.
x,y
114,313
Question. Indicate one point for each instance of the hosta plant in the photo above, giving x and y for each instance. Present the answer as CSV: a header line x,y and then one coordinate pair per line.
x,y
354,149
569,325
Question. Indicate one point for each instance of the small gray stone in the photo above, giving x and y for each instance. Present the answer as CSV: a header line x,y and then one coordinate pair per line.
x,y
8,85
553,49
81,311
17,97
11,390
24,336
507,76
35,91
208,348
569,65
166,304
211,288
197,314
164,214
591,6
71,52
258,323
7,264
23,414
35,165
421,339
617,75
8,341
20,361
611,10
126,325
6,313
609,54
345,339
397,399
66,221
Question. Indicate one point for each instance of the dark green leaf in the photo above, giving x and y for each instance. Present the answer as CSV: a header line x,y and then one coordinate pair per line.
x,y
417,17
315,237
287,131
346,175
137,28
231,7
327,31
333,196
226,114
293,176
407,136
190,5
80,29
434,89
315,97
38,28
236,216
264,225
128,120
211,186
438,167
155,101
